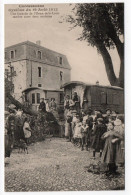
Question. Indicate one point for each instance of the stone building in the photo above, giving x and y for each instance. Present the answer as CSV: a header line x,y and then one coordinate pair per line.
x,y
39,72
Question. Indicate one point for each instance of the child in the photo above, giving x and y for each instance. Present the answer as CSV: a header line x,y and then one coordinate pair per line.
x,y
27,130
77,131
109,152
84,131
94,115
97,143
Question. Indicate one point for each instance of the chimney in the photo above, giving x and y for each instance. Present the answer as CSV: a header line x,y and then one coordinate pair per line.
x,y
38,42
97,82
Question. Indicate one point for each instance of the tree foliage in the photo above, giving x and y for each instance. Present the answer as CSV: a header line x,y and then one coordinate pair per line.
x,y
102,26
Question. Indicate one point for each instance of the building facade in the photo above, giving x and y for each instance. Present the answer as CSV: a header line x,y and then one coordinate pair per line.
x,y
39,72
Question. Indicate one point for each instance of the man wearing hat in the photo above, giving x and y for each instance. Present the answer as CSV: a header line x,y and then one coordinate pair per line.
x,y
98,143
76,101
42,105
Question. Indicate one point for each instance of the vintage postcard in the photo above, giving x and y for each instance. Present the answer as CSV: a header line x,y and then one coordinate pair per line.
x,y
64,97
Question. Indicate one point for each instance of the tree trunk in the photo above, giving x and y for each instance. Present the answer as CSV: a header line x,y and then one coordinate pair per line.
x,y
111,32
121,74
108,64
19,105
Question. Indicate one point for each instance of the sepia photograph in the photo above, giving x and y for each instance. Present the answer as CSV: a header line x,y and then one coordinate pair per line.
x,y
64,112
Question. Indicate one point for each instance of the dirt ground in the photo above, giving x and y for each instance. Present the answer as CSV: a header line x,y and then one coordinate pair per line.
x,y
56,165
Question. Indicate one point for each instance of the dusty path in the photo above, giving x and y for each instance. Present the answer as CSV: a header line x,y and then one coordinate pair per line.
x,y
54,165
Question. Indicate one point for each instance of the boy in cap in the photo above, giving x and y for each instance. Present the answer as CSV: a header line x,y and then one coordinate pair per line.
x,y
98,131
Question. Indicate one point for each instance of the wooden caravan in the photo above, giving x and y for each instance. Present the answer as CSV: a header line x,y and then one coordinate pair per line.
x,y
32,95
96,96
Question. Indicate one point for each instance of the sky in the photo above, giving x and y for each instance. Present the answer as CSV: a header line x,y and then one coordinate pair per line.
x,y
87,65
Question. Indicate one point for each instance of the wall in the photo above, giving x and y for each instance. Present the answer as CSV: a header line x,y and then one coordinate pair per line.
x,y
50,75
103,98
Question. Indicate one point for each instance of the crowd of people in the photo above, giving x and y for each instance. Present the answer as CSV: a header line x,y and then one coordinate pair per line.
x,y
97,132
89,130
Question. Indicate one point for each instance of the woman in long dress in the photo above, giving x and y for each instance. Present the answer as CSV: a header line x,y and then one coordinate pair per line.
x,y
109,155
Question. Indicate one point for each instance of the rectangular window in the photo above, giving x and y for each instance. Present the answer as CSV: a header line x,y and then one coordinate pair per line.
x,y
39,85
12,54
38,98
60,60
39,55
61,76
33,98
103,98
39,71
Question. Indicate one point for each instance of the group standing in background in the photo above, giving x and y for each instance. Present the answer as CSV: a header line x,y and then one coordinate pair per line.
x,y
96,132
